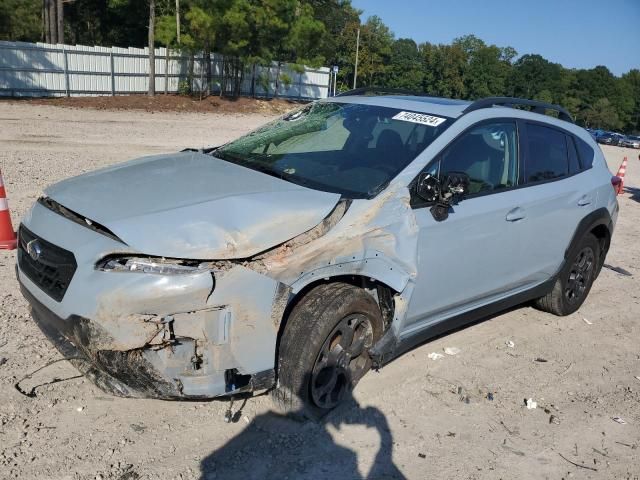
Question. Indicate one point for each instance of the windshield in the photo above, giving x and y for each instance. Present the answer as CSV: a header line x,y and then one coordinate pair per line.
x,y
351,149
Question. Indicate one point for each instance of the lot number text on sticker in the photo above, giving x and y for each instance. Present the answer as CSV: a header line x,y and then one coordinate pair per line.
x,y
419,118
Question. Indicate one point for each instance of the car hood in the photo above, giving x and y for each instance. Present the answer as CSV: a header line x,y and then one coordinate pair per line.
x,y
192,205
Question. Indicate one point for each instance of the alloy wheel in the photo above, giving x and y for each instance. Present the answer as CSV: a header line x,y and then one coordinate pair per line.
x,y
342,361
580,275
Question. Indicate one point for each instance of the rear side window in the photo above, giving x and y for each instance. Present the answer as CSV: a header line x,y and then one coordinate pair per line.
x,y
547,154
585,153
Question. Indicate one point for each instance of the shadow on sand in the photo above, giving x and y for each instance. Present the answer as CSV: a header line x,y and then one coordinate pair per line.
x,y
634,192
276,446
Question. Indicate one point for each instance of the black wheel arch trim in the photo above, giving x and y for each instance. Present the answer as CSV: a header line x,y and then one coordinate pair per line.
x,y
598,217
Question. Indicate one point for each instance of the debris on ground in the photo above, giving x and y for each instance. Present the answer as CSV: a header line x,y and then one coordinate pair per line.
x,y
3,360
531,404
79,409
619,420
587,321
555,420
138,428
452,350
463,396
631,446
422,455
435,356
541,360
618,270
490,396
510,344
577,464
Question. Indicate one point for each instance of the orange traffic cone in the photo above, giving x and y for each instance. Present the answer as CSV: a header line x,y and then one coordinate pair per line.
x,y
620,175
7,235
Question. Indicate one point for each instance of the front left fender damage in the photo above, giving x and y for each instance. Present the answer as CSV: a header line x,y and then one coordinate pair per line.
x,y
215,333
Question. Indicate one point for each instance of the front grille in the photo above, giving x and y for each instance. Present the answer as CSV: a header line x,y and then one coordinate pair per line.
x,y
52,268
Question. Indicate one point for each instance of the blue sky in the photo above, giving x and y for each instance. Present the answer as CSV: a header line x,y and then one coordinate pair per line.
x,y
575,33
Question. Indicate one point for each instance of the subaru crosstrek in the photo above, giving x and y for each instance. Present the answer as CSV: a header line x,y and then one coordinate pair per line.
x,y
331,240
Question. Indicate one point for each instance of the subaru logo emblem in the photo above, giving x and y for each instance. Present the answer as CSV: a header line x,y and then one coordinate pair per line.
x,y
34,249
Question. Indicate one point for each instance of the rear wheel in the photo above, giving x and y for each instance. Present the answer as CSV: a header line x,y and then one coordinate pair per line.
x,y
323,352
575,280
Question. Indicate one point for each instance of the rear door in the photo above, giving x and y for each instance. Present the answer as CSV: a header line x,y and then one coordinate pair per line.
x,y
557,194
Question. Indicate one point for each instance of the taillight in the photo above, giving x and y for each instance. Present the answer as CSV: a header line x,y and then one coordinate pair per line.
x,y
616,183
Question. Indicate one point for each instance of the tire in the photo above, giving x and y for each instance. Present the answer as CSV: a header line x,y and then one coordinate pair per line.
x,y
324,349
574,282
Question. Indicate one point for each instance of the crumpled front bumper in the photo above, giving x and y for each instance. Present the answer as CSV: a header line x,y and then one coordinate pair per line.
x,y
71,338
165,371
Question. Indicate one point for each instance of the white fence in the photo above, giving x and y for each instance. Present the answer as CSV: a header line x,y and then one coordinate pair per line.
x,y
40,69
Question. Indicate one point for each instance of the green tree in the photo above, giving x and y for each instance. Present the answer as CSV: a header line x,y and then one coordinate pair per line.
x,y
487,73
166,34
601,115
376,41
444,70
20,20
200,35
632,81
531,74
341,21
405,68
250,33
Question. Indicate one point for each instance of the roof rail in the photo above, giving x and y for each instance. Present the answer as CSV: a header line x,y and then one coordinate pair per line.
x,y
372,91
538,107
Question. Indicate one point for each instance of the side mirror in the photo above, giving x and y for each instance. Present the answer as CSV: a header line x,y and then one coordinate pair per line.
x,y
428,187
443,194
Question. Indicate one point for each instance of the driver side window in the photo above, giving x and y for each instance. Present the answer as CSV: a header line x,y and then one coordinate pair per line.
x,y
488,154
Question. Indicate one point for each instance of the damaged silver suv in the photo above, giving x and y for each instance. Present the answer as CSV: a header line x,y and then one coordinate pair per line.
x,y
331,240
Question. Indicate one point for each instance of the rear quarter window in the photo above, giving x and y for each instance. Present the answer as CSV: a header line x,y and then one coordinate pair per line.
x,y
585,153
574,162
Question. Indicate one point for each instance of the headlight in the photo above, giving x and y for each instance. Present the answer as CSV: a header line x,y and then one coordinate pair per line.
x,y
160,266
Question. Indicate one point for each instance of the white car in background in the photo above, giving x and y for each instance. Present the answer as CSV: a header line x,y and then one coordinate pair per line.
x,y
631,141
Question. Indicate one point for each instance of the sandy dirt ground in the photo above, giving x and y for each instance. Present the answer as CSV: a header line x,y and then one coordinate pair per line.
x,y
417,418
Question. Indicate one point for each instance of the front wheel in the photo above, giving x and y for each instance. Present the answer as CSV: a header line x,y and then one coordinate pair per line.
x,y
575,280
324,350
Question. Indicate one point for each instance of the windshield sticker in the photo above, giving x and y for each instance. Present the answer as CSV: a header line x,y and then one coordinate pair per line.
x,y
420,118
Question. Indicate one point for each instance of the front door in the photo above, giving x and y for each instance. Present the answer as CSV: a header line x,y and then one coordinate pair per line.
x,y
472,257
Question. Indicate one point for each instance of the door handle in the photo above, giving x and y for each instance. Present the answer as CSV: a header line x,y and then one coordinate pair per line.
x,y
515,215
584,201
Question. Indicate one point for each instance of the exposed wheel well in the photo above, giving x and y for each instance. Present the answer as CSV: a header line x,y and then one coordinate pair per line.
x,y
602,233
382,293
